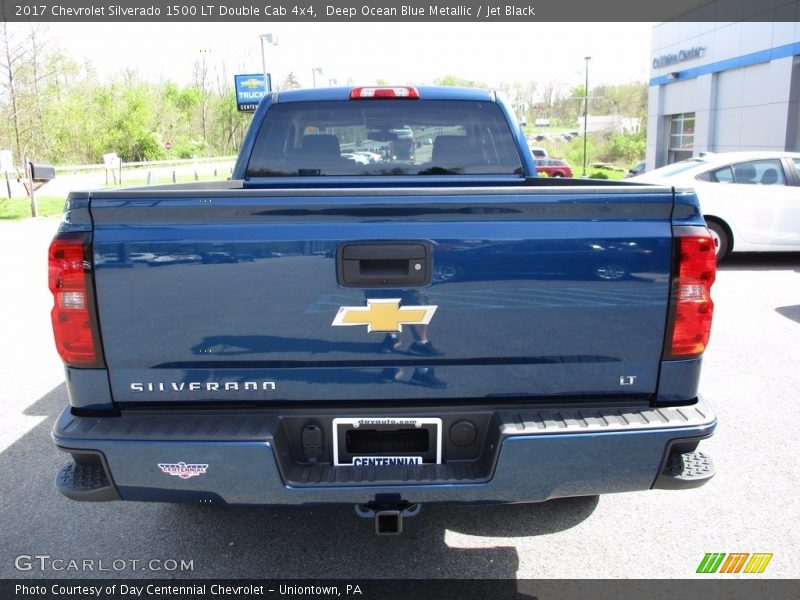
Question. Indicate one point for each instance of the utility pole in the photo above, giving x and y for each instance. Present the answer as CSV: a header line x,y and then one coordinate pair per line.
x,y
314,72
266,38
585,112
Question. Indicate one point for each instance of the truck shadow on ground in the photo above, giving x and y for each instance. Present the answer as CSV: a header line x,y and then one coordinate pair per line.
x,y
790,312
443,541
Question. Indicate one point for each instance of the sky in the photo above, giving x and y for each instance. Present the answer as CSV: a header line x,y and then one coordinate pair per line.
x,y
400,53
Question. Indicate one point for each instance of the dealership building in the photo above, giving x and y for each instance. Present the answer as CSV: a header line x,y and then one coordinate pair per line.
x,y
721,87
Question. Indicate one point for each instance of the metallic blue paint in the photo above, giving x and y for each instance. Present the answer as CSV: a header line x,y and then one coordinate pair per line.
x,y
679,380
88,388
545,292
76,216
529,468
687,209
343,93
520,276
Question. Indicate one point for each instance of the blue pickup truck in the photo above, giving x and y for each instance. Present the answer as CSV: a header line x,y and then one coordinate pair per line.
x,y
353,320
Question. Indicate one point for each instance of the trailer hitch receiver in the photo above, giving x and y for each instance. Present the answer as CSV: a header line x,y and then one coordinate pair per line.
x,y
388,511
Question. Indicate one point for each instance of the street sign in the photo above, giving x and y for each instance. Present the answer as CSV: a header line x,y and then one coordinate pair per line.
x,y
6,161
112,163
111,160
249,91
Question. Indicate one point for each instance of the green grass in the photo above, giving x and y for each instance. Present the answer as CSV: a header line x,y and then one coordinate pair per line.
x,y
593,172
20,208
12,209
609,173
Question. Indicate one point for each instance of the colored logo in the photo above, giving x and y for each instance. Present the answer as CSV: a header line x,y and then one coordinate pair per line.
x,y
253,84
737,562
384,315
182,470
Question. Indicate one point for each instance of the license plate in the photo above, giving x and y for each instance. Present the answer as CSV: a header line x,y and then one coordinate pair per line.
x,y
387,441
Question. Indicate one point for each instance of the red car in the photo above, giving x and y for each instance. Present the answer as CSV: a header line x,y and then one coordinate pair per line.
x,y
553,167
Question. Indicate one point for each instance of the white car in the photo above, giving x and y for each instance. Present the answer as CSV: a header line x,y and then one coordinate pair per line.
x,y
538,152
356,157
750,200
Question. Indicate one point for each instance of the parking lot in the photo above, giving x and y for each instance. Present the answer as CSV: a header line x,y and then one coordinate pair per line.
x,y
750,375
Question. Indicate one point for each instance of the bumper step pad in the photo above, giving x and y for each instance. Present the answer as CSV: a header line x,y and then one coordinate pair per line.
x,y
86,482
685,470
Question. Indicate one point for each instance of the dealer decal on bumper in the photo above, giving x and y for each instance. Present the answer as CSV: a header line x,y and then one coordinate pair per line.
x,y
182,470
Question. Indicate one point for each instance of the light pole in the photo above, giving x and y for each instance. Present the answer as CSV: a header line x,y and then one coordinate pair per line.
x,y
266,38
585,112
314,72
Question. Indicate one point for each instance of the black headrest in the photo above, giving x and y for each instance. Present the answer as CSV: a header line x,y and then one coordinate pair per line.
x,y
453,151
321,146
770,177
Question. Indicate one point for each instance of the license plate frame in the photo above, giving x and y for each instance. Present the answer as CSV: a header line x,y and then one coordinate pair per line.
x,y
342,424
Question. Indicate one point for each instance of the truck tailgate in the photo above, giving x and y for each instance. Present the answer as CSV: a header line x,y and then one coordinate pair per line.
x,y
230,297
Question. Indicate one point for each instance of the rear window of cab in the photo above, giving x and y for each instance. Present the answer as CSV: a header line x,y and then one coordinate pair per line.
x,y
384,138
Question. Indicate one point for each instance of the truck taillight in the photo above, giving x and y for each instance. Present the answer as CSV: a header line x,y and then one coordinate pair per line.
x,y
74,323
369,93
691,307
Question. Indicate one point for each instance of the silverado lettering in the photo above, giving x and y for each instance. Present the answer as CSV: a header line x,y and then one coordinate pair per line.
x,y
207,386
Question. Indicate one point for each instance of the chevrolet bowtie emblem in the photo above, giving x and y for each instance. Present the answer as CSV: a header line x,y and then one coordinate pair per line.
x,y
383,315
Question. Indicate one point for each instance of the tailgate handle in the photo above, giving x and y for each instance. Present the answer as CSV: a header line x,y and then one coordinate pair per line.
x,y
384,264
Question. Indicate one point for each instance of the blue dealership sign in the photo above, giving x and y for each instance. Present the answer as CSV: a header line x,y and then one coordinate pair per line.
x,y
250,89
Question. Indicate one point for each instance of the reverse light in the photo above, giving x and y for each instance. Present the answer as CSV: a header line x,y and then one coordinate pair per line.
x,y
369,93
74,326
691,307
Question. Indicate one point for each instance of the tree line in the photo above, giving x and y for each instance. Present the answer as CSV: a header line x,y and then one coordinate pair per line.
x,y
564,105
57,110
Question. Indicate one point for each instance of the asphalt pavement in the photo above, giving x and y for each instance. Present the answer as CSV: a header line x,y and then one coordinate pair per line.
x,y
750,375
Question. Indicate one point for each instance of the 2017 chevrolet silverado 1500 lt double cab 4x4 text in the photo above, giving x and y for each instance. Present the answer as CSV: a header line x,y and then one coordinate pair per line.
x,y
439,326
